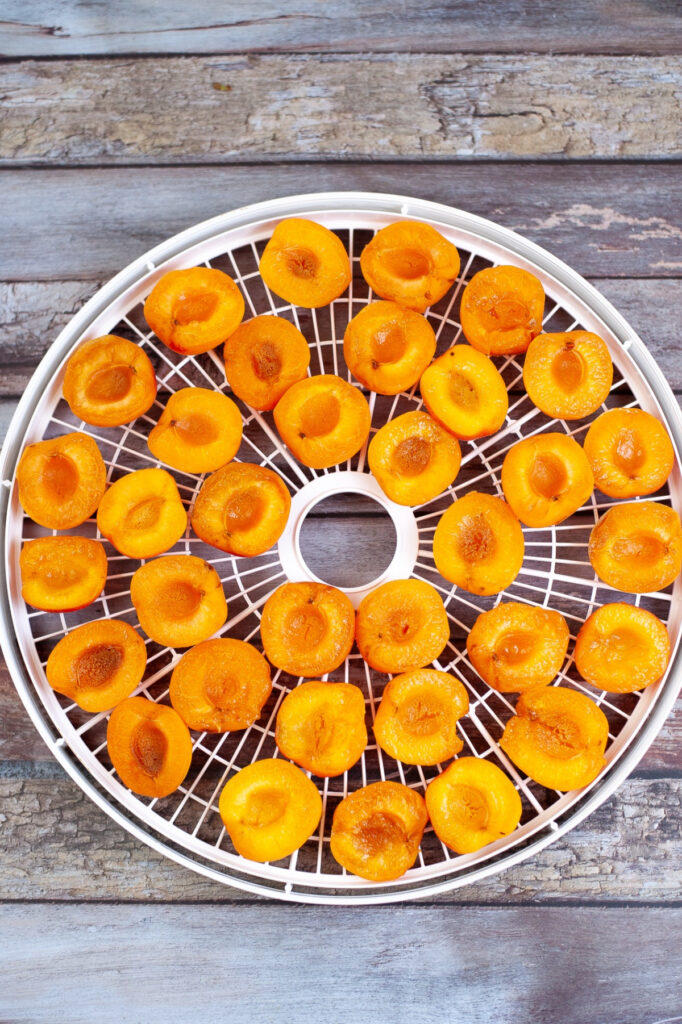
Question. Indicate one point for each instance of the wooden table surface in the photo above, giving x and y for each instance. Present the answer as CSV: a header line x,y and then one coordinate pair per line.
x,y
124,122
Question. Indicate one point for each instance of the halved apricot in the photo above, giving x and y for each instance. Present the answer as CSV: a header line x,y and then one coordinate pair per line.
x,y
637,547
263,358
307,628
109,381
321,726
515,646
388,347
149,745
417,718
241,508
376,831
472,803
630,453
220,685
194,310
478,544
323,420
546,478
501,310
61,481
568,375
305,263
410,263
198,431
464,391
413,458
62,574
621,648
557,737
179,600
141,514
98,664
269,808
402,625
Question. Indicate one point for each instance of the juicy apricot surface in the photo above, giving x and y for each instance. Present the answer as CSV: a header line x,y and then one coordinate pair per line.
x,y
149,745
546,478
324,420
376,831
568,375
194,310
472,803
417,718
501,310
402,625
62,574
515,646
141,514
98,664
305,263
478,544
179,600
630,453
109,381
307,628
637,547
321,726
242,508
220,685
269,808
263,358
388,347
465,392
61,481
410,263
621,648
413,458
198,431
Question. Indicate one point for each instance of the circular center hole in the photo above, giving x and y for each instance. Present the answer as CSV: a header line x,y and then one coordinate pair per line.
x,y
347,540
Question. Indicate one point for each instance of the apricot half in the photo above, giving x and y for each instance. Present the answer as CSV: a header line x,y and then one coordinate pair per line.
x,y
305,263
307,628
413,458
324,420
263,358
546,478
621,648
501,310
514,646
630,453
109,381
376,831
149,745
472,803
637,547
321,726
568,375
61,481
220,685
388,347
194,310
464,391
417,718
98,664
179,600
410,263
478,544
402,625
62,574
269,808
141,514
198,431
242,508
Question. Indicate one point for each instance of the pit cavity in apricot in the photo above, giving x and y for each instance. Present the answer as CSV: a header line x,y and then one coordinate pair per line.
x,y
62,574
198,431
305,263
637,547
478,544
621,648
323,420
263,358
416,721
501,310
149,746
413,458
194,310
98,664
465,393
630,453
546,478
402,625
307,629
471,804
61,481
179,600
568,375
410,263
388,347
242,508
220,685
109,381
515,646
321,726
142,514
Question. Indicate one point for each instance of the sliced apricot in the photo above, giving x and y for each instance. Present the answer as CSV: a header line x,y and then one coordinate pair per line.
x,y
388,347
568,375
501,310
198,431
324,420
557,737
109,381
472,803
621,648
321,726
307,628
269,808
149,745
376,831
478,544
194,310
179,600
141,514
515,646
98,664
637,547
220,685
305,263
402,625
61,481
241,508
546,478
465,392
62,574
630,453
417,718
410,263
413,458
263,358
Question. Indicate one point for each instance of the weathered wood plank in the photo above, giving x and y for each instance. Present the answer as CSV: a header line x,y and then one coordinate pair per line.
x,y
240,108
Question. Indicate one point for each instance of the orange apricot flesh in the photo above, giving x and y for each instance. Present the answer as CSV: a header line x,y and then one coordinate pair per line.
x,y
388,347
198,431
637,547
305,263
410,263
413,458
179,600
416,721
220,685
321,726
242,508
501,310
546,478
630,453
149,745
61,481
62,574
98,664
515,646
194,310
621,648
402,625
141,514
568,375
478,544
263,358
465,393
471,804
307,628
324,420
109,381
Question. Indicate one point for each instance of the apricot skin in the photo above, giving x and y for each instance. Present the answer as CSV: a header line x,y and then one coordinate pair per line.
x,y
514,646
220,685
621,648
321,726
388,347
413,458
402,625
149,746
478,544
501,310
307,628
194,310
471,804
630,453
323,420
109,381
416,721
61,481
97,664
305,263
465,393
568,375
242,508
198,432
637,547
546,478
62,574
263,358
410,263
